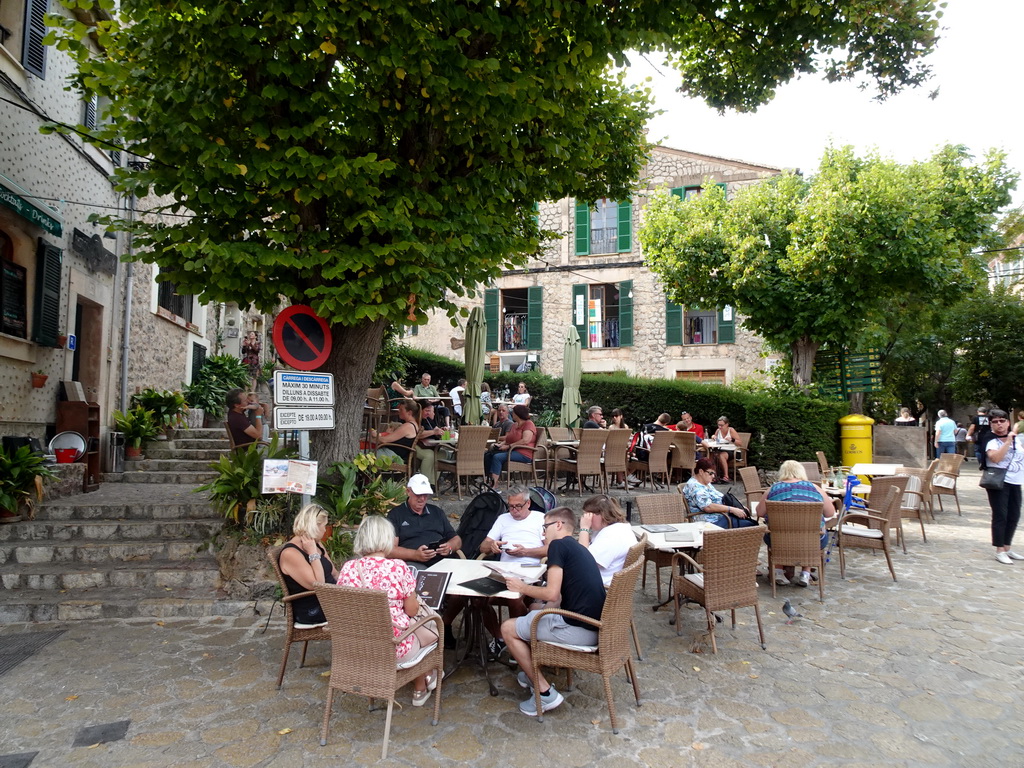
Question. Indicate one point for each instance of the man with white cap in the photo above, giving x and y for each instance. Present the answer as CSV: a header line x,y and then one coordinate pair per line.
x,y
425,535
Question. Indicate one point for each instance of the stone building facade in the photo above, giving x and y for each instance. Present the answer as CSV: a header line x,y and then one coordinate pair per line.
x,y
594,277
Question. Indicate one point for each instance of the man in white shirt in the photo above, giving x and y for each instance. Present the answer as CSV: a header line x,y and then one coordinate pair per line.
x,y
606,534
517,534
456,396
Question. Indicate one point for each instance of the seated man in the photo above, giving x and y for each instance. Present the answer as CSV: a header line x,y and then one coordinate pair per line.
x,y
243,432
574,579
595,418
686,425
425,392
420,526
429,430
643,447
503,421
456,394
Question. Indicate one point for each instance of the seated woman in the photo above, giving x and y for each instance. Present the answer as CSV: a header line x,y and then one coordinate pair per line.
x,y
793,485
606,534
703,497
517,445
303,562
522,397
373,569
398,442
724,434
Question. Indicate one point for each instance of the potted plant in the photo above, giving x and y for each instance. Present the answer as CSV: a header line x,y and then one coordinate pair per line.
x,y
39,378
168,408
62,339
211,383
239,482
360,490
21,477
137,425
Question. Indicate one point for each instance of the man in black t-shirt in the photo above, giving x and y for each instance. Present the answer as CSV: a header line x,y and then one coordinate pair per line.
x,y
573,577
980,433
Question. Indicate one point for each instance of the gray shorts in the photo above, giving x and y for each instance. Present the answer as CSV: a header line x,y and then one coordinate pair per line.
x,y
554,628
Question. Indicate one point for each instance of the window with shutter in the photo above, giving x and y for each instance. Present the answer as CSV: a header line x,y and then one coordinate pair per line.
x,y
535,317
579,312
491,318
673,323
626,313
726,326
89,112
625,227
198,359
33,52
582,229
46,317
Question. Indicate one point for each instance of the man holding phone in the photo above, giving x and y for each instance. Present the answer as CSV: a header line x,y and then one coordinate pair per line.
x,y
425,535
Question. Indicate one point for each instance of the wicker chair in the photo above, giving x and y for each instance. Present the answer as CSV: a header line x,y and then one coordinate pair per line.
x,y
633,554
683,453
561,434
823,465
657,509
725,581
880,487
752,488
795,528
292,635
616,448
917,499
363,651
468,460
657,461
812,470
739,458
612,650
540,460
944,480
584,461
869,529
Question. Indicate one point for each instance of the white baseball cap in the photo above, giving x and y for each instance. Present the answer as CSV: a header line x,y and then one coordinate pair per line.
x,y
419,485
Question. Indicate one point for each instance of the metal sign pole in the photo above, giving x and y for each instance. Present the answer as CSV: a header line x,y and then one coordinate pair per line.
x,y
304,456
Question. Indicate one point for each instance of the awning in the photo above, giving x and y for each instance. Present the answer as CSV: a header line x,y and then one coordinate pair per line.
x,y
12,196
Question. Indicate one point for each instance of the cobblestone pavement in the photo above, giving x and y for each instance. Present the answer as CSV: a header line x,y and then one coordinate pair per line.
x,y
926,671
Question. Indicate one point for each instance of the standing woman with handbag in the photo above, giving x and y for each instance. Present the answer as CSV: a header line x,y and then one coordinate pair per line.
x,y
1005,456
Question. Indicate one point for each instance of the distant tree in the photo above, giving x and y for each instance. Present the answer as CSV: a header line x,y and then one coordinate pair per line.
x,y
986,332
813,261
379,159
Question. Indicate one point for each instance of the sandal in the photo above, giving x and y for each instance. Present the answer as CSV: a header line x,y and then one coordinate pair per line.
x,y
419,698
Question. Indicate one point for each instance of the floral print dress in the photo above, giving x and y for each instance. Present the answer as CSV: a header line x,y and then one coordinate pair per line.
x,y
390,576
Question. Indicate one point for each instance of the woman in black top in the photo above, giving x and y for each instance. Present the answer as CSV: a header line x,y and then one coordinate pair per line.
x,y
397,442
303,562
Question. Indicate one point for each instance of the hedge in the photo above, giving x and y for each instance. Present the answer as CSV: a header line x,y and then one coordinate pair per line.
x,y
783,426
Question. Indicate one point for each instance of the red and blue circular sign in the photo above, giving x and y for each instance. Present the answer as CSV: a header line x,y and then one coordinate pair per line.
x,y
302,338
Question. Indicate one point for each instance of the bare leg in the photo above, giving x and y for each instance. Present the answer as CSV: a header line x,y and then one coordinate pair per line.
x,y
520,650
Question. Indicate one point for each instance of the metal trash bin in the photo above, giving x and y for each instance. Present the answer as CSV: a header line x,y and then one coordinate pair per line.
x,y
115,452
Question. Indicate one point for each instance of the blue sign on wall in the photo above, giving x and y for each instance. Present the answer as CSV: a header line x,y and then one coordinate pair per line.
x,y
72,342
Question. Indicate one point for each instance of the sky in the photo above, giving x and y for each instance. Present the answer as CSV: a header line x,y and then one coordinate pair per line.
x,y
976,67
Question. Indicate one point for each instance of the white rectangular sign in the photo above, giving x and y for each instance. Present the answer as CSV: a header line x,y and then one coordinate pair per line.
x,y
303,418
297,388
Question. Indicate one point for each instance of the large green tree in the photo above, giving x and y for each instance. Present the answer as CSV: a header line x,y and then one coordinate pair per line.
x,y
813,261
378,159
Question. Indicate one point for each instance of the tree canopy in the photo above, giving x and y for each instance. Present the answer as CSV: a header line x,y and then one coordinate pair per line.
x,y
376,160
814,261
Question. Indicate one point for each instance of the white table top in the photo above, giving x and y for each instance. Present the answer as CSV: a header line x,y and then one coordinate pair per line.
x,y
877,470
464,570
657,540
858,490
720,446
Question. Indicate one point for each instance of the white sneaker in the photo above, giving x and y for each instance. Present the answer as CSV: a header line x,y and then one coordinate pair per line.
x,y
618,485
780,579
1004,558
803,579
1013,555
634,480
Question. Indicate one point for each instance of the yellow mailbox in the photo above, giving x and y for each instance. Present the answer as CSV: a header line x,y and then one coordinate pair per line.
x,y
855,440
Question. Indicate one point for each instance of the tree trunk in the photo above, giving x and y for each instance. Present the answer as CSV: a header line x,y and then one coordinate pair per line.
x,y
353,357
857,402
803,351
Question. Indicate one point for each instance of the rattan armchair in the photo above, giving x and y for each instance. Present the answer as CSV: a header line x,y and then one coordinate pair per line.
x,y
683,453
795,529
541,460
880,487
363,651
612,651
869,529
752,488
658,459
658,509
917,498
616,450
945,478
633,554
727,578
584,461
293,634
468,458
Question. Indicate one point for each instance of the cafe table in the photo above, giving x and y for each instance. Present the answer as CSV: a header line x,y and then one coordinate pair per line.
x,y
875,470
474,632
661,540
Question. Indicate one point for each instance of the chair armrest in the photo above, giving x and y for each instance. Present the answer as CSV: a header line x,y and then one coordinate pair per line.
x,y
297,595
429,618
561,612
680,556
861,517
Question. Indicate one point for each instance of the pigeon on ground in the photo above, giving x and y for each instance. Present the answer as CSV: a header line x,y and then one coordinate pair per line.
x,y
790,611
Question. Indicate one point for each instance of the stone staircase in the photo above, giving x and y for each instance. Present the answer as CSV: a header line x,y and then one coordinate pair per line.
x,y
137,547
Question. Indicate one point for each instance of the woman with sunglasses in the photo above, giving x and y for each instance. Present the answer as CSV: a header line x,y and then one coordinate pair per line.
x,y
1006,451
702,496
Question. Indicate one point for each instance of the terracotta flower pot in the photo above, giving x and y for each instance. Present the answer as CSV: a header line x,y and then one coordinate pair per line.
x,y
132,452
39,379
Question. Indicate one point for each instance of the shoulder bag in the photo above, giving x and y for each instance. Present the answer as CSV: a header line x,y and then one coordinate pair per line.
x,y
992,478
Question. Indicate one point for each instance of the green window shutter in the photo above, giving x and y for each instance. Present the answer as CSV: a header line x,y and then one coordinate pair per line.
x,y
725,188
581,294
46,325
33,52
727,328
626,313
625,227
491,318
677,191
673,323
582,229
534,317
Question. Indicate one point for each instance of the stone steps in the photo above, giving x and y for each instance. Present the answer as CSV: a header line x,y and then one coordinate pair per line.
x,y
169,464
206,455
155,575
16,553
197,508
167,478
192,444
116,602
107,530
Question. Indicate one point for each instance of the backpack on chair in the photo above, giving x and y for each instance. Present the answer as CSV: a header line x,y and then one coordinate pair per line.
x,y
477,519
